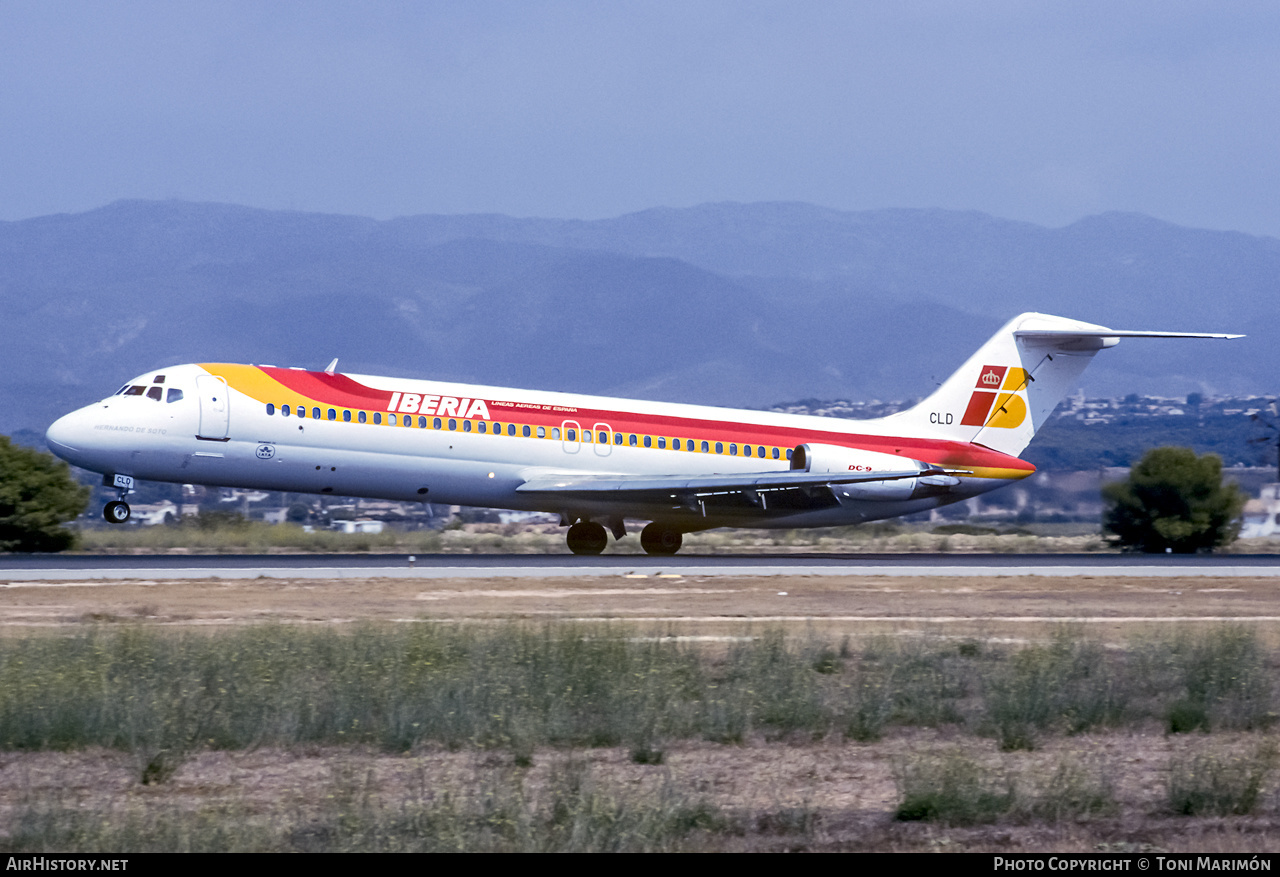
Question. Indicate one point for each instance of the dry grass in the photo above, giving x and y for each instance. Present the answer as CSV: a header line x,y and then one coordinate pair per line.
x,y
805,771
756,796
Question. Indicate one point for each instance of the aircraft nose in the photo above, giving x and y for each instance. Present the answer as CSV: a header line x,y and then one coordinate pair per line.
x,y
63,437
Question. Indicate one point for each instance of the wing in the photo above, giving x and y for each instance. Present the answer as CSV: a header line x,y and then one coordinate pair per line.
x,y
692,491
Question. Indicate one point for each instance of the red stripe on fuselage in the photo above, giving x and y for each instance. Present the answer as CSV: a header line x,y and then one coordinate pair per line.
x,y
342,391
331,389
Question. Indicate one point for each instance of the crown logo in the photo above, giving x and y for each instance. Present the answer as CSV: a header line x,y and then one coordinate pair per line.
x,y
991,379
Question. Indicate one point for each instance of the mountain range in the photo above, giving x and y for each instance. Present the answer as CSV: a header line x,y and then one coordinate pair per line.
x,y
733,304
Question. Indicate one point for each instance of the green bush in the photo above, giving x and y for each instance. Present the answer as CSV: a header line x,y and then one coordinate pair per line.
x,y
1066,685
1215,784
1074,791
1174,501
951,789
1219,678
37,496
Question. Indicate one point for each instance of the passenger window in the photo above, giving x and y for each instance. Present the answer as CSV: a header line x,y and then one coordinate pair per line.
x,y
422,423
271,409
706,448
632,441
435,423
617,438
775,453
733,450
760,452
746,450
391,419
527,431
571,435
453,424
648,441
542,432
719,447
360,417
346,416
586,435
789,453
284,410
482,426
497,429
377,418
662,442
315,414
466,426
675,444
511,429
333,415
174,395
604,438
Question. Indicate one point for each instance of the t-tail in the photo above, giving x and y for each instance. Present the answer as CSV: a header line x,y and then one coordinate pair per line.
x,y
1006,391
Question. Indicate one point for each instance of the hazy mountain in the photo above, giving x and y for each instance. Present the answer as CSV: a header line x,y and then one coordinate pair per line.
x,y
744,304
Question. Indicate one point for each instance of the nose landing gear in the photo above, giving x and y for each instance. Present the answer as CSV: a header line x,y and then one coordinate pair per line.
x,y
116,512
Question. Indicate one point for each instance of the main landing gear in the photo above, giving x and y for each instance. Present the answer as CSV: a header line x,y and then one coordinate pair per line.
x,y
116,512
588,537
657,539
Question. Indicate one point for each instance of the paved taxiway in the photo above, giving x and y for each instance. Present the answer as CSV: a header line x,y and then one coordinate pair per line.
x,y
105,568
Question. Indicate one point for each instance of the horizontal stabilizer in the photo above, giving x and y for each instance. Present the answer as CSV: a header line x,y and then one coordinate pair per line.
x,y
1102,338
1120,333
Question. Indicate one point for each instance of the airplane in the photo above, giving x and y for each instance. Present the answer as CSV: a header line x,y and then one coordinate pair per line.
x,y
594,461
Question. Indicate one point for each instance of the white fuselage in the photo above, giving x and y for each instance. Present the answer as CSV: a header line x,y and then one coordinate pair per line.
x,y
425,441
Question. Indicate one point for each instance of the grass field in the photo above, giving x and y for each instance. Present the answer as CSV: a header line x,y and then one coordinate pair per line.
x,y
562,736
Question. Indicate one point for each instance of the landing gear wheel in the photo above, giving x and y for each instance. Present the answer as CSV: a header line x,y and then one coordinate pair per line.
x,y
116,512
587,537
656,539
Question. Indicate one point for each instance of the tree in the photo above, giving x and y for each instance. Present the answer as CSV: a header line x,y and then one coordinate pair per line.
x,y
37,496
1174,500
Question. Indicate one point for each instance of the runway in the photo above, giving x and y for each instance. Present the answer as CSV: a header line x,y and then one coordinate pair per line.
x,y
104,568
1009,597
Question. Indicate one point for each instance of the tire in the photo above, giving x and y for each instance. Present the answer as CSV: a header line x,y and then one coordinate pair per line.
x,y
587,537
116,512
660,540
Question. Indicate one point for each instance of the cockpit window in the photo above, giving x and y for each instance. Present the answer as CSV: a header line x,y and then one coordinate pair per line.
x,y
174,395
135,390
155,393
158,379
120,392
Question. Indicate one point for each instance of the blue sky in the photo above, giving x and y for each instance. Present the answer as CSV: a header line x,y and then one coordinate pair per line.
x,y
1043,112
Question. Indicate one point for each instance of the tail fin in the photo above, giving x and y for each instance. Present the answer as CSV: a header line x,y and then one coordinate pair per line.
x,y
1006,391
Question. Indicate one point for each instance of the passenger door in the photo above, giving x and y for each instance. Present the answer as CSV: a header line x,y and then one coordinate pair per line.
x,y
215,408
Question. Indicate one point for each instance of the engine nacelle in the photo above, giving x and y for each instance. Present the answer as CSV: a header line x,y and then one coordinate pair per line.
x,y
839,461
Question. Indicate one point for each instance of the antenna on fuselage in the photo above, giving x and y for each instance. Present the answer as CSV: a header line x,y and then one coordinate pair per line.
x,y
328,369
